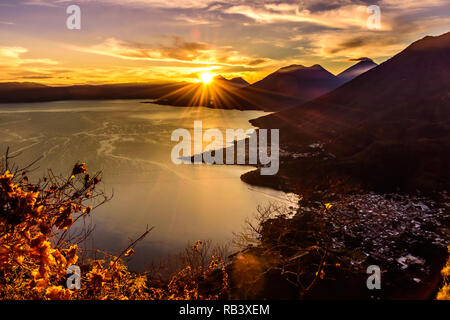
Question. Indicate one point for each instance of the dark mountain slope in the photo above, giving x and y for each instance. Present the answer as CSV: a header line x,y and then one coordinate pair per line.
x,y
235,83
19,85
287,87
299,82
23,92
387,128
239,82
226,94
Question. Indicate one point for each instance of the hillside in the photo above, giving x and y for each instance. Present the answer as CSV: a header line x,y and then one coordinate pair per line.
x,y
32,92
361,67
286,87
300,82
387,128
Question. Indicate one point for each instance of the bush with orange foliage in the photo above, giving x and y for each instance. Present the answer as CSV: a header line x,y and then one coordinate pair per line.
x,y
444,292
36,250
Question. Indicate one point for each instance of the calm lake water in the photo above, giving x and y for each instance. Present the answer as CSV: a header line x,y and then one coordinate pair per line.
x,y
130,142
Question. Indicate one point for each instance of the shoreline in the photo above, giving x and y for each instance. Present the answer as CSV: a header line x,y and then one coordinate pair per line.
x,y
429,284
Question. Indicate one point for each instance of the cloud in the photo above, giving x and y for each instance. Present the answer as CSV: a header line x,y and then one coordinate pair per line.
x,y
339,17
130,3
256,62
172,49
250,38
11,52
15,67
362,44
11,56
41,3
360,59
352,43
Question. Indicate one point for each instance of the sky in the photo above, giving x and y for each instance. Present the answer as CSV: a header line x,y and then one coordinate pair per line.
x,y
178,40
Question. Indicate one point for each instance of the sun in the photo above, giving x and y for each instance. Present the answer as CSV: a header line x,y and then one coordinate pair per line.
x,y
206,78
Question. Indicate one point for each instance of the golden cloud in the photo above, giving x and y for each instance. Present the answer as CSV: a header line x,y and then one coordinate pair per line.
x,y
175,49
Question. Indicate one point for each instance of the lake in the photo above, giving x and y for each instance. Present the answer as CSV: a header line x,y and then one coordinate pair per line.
x,y
131,143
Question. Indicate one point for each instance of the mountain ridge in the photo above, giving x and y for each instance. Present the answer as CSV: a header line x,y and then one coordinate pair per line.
x,y
236,93
387,128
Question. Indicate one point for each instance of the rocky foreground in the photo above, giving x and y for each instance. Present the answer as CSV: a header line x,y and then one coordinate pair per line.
x,y
406,236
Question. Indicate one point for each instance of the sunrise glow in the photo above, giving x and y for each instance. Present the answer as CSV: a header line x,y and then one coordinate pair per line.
x,y
206,78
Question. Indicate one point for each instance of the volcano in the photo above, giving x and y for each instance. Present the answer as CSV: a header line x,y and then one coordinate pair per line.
x,y
389,127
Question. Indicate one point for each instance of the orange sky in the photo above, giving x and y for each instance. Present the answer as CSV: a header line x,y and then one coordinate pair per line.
x,y
161,40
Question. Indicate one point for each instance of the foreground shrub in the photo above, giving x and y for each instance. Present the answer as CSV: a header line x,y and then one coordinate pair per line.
x,y
37,247
444,293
